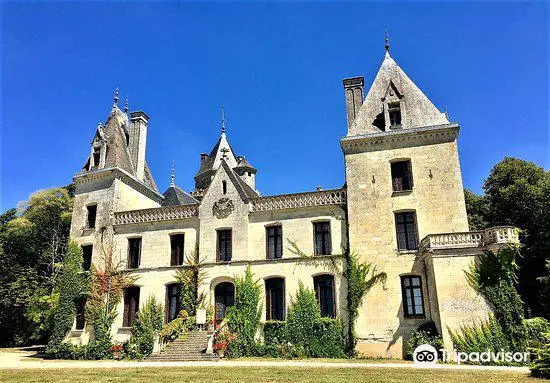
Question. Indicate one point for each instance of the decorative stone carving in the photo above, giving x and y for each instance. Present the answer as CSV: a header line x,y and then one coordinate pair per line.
x,y
299,200
222,208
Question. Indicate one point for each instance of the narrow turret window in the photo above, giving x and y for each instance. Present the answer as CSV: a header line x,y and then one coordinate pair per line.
x,y
92,212
224,187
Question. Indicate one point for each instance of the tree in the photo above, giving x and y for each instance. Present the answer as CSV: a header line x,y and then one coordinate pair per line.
x,y
517,193
33,239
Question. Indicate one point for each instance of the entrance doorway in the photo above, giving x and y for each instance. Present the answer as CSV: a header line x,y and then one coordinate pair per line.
x,y
224,295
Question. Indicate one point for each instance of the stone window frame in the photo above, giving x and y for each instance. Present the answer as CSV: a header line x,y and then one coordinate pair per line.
x,y
128,256
416,237
411,287
411,176
171,235
314,225
267,227
87,223
315,277
218,231
268,315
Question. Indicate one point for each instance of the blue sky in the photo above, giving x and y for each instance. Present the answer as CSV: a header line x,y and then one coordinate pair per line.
x,y
276,67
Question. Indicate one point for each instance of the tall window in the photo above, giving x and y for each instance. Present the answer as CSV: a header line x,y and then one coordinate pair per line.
x,y
92,212
177,242
275,299
324,291
401,175
224,187
224,245
405,224
322,238
413,300
87,257
80,310
131,305
394,111
274,243
134,253
173,302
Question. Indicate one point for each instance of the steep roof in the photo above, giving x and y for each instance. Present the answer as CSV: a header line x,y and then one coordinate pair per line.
x,y
245,191
418,109
222,149
174,195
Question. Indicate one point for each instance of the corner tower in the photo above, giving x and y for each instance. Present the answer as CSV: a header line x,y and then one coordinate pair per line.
x,y
403,182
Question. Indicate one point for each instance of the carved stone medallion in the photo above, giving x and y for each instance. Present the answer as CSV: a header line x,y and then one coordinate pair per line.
x,y
222,208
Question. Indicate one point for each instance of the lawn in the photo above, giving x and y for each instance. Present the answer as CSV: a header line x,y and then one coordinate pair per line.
x,y
261,374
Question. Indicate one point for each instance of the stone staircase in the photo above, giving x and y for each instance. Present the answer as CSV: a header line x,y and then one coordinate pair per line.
x,y
190,349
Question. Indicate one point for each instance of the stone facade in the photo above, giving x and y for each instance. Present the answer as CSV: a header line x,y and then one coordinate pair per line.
x,y
401,165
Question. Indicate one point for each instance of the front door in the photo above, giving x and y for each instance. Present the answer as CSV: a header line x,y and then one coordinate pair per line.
x,y
224,297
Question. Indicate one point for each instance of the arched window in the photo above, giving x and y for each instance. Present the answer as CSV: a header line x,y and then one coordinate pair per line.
x,y
275,299
224,295
173,301
324,291
224,187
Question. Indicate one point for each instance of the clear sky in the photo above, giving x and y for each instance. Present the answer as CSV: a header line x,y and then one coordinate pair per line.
x,y
276,67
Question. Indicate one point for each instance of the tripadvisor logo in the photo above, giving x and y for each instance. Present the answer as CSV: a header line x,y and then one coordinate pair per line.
x,y
426,354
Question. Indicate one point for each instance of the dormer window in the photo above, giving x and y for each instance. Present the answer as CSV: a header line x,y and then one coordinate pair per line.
x,y
394,111
97,156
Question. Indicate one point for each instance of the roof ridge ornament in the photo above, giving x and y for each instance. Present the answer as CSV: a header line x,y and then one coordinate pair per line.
x,y
387,42
126,105
223,120
173,175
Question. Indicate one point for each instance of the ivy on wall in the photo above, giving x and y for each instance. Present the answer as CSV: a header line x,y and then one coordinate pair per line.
x,y
72,284
191,277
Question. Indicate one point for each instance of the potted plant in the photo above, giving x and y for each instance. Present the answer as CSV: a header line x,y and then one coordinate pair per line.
x,y
116,349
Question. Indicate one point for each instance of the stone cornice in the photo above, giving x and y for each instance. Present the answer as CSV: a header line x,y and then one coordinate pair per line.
x,y
399,138
116,172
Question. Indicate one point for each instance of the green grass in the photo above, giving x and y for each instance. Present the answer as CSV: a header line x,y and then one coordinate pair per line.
x,y
261,374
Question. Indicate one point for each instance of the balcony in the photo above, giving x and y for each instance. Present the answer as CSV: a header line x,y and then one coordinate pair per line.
x,y
483,239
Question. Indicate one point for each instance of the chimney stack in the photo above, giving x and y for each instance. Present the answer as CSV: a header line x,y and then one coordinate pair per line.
x,y
354,97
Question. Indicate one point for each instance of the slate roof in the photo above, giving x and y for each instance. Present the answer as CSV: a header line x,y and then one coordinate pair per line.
x,y
244,190
174,195
244,164
419,110
213,160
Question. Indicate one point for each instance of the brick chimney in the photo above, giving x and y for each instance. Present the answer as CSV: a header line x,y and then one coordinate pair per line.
x,y
354,96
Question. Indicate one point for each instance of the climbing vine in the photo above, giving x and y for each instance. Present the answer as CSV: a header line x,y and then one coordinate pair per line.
x,y
71,285
191,277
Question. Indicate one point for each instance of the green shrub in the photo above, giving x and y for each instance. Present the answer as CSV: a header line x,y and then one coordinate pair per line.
x,y
148,321
307,331
302,315
494,277
425,334
274,332
243,318
536,329
540,367
327,339
178,328
481,337
267,350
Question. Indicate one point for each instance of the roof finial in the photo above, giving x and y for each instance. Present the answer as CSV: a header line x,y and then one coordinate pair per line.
x,y
126,105
116,97
446,113
223,120
173,175
387,41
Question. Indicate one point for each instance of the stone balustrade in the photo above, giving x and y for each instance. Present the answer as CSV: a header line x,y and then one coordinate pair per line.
x,y
471,239
167,213
299,200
